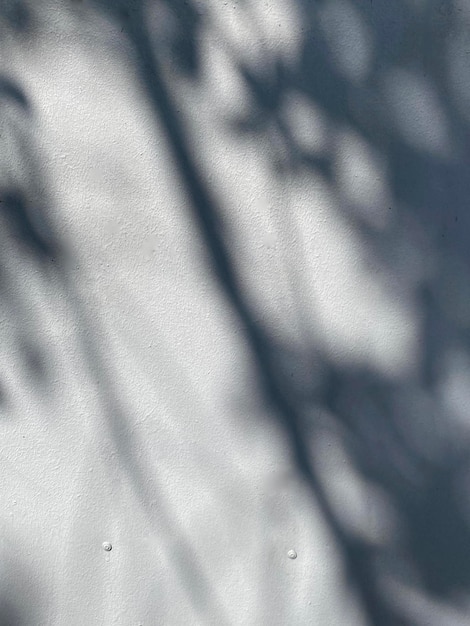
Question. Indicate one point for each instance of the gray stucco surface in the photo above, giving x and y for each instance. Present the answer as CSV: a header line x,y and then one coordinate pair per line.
x,y
234,312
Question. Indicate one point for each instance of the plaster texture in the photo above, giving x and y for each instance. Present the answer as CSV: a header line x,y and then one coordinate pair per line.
x,y
234,313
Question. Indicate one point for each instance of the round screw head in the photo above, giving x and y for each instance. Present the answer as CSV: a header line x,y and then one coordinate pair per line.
x,y
107,546
292,554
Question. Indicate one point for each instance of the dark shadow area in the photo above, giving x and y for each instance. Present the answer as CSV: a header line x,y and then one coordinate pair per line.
x,y
22,598
16,15
26,232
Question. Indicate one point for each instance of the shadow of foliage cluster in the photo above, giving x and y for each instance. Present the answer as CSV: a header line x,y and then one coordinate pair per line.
x,y
401,434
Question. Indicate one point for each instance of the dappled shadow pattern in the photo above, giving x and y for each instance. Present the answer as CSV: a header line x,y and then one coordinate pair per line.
x,y
401,89
392,88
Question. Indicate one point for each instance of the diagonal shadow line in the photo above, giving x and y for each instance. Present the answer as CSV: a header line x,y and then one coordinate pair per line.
x,y
357,557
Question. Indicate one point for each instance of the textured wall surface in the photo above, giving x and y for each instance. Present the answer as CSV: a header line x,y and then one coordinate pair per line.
x,y
235,312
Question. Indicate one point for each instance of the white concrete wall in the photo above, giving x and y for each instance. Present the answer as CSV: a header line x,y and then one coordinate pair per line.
x,y
234,312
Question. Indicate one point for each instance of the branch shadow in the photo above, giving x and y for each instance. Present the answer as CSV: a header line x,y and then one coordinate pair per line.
x,y
404,436
400,435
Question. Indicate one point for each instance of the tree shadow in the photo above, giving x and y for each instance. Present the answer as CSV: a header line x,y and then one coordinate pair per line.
x,y
404,435
400,434
31,243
